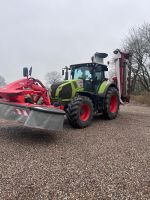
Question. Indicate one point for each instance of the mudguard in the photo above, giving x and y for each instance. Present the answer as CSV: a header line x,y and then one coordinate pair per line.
x,y
104,87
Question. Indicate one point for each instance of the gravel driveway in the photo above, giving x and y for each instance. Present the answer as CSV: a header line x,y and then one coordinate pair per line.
x,y
108,160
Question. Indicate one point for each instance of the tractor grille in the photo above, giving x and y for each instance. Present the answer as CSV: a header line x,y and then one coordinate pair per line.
x,y
66,92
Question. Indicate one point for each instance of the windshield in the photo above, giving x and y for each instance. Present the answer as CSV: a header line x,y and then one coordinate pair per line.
x,y
82,73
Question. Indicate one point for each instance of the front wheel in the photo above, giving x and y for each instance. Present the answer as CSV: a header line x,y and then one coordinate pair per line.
x,y
111,103
80,112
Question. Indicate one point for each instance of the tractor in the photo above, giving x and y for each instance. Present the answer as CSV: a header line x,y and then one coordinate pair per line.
x,y
89,92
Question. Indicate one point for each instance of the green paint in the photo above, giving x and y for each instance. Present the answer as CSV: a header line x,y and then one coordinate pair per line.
x,y
74,90
103,87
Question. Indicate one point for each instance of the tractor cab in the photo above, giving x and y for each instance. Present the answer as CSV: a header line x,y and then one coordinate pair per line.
x,y
92,75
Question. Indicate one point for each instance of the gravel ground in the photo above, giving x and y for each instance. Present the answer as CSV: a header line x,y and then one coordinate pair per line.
x,y
108,160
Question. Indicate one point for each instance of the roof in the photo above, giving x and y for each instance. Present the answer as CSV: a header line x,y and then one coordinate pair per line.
x,y
87,64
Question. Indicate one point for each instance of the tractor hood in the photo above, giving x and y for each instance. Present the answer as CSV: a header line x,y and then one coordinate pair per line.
x,y
64,91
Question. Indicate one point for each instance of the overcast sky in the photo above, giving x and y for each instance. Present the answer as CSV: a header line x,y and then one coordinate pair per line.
x,y
49,34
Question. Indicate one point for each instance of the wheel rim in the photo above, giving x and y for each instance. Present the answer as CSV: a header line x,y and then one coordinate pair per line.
x,y
85,112
113,104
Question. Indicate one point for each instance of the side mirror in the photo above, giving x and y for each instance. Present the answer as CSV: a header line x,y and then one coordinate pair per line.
x,y
63,72
25,72
30,71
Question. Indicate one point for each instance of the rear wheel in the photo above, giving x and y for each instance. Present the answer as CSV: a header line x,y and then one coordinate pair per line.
x,y
111,103
80,112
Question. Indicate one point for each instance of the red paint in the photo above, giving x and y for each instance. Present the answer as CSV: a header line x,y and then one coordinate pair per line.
x,y
113,104
19,90
16,92
85,112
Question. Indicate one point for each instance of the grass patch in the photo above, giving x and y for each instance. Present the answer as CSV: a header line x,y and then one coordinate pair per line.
x,y
142,98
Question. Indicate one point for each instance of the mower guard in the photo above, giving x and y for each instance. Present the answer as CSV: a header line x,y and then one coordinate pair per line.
x,y
33,116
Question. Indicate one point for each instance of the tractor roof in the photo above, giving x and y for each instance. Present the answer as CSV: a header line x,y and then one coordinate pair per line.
x,y
83,64
104,67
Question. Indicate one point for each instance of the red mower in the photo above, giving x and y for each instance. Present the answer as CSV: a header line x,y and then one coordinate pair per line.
x,y
27,101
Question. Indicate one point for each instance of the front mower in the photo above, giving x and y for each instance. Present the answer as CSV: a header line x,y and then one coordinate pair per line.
x,y
27,102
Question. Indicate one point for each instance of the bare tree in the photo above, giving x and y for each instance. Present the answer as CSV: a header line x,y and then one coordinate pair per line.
x,y
52,77
138,43
2,81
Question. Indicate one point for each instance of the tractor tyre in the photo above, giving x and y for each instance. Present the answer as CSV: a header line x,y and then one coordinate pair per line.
x,y
111,103
80,112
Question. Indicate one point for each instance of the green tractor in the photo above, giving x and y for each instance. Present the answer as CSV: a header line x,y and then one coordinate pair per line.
x,y
88,91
